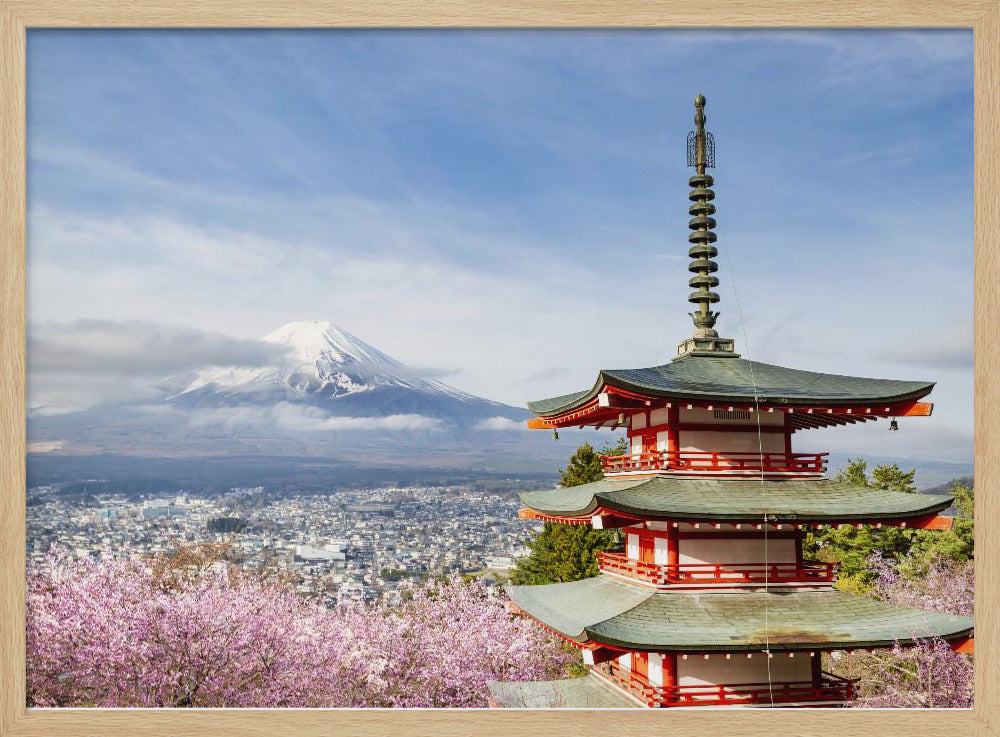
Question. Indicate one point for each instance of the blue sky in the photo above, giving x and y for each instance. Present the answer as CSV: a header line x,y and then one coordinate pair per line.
x,y
507,209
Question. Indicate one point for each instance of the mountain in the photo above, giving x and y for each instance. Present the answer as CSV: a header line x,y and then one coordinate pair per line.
x,y
327,368
326,393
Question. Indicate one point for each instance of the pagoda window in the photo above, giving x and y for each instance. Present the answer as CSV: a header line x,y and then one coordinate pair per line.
x,y
638,421
735,414
726,417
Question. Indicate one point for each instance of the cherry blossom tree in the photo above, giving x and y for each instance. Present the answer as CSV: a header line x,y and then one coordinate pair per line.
x,y
929,673
114,632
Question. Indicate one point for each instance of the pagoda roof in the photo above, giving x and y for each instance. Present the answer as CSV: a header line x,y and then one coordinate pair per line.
x,y
734,379
734,499
589,692
606,611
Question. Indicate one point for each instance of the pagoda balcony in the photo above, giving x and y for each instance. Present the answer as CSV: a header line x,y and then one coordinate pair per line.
x,y
717,462
829,688
716,573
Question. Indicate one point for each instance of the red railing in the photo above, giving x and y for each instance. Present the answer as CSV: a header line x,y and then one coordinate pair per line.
x,y
772,573
829,688
718,462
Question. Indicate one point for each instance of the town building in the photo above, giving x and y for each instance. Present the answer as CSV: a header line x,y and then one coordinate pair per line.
x,y
711,602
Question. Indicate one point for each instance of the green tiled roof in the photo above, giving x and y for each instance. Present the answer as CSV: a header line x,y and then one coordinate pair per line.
x,y
605,610
589,692
745,500
728,378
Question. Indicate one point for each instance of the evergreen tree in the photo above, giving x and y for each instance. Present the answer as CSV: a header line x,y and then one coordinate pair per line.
x,y
853,548
956,544
562,553
584,466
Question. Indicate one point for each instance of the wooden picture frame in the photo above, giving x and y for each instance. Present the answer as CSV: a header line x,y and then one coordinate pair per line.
x,y
17,16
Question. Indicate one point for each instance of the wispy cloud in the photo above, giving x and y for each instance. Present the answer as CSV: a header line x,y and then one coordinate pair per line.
x,y
301,418
139,348
951,350
84,363
500,423
422,309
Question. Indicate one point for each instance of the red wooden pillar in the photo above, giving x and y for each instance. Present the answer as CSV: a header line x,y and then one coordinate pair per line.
x,y
647,547
640,665
669,669
673,554
673,433
649,449
799,536
817,668
669,675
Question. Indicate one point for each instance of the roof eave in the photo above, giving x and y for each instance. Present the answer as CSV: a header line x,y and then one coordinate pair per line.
x,y
710,647
605,379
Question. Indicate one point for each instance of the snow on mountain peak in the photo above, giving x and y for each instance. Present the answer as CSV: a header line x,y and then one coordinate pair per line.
x,y
316,342
322,359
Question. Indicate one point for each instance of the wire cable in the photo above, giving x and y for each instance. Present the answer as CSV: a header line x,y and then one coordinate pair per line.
x,y
763,485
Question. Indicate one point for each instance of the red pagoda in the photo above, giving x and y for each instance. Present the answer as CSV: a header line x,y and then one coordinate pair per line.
x,y
711,602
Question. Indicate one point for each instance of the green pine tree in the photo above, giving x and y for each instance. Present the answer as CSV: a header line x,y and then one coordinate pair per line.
x,y
955,544
853,548
562,553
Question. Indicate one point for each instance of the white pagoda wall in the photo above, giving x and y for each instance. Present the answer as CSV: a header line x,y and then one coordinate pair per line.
x,y
709,440
661,553
635,445
655,669
659,416
632,546
735,550
733,442
712,549
697,671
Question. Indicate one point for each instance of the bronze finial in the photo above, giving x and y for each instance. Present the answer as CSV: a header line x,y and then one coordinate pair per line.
x,y
701,155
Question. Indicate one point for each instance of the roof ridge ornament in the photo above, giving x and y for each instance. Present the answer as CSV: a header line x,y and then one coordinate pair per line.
x,y
701,155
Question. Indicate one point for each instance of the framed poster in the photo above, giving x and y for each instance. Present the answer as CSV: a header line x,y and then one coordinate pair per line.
x,y
187,299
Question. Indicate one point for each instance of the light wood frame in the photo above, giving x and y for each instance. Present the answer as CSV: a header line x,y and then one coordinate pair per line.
x,y
18,15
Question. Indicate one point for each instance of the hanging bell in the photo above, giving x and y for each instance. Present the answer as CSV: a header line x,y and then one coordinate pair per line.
x,y
893,425
555,434
622,420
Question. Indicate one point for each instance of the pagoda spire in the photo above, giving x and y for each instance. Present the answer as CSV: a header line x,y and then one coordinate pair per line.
x,y
701,155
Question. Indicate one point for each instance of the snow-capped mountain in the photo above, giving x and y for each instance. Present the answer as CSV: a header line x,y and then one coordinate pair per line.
x,y
323,365
324,394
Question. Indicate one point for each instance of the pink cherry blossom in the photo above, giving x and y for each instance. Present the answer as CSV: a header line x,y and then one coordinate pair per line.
x,y
930,673
110,633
